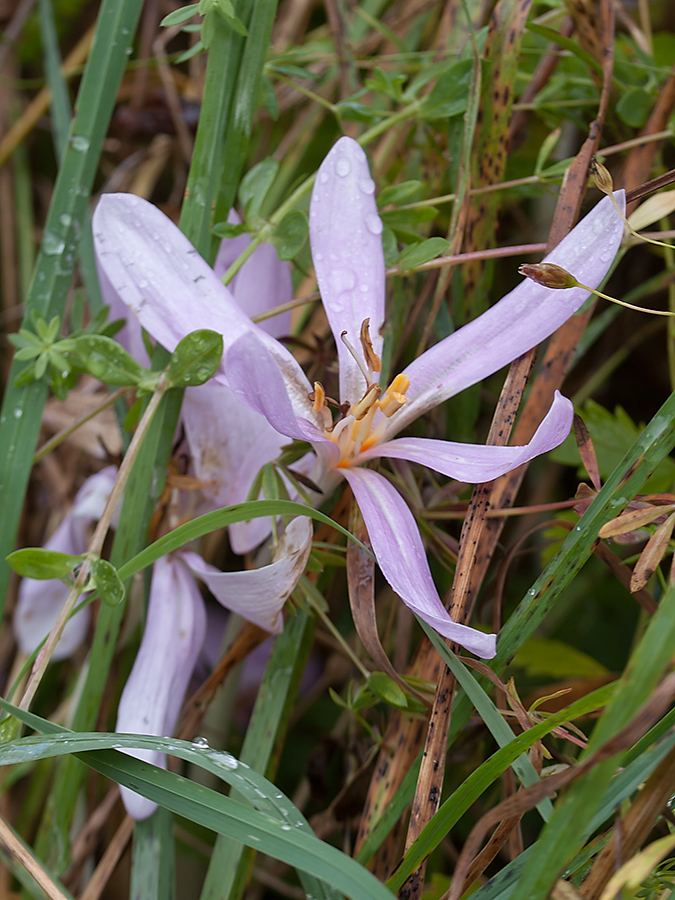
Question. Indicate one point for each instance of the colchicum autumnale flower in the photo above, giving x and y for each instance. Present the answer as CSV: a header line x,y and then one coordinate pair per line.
x,y
228,443
175,628
173,291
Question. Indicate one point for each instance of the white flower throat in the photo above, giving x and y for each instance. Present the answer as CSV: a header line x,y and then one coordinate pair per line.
x,y
360,426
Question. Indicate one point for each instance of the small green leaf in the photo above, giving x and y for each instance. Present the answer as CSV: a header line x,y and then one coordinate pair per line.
x,y
197,48
406,217
255,184
290,234
226,10
27,352
390,247
229,229
634,107
397,193
548,658
386,689
195,359
420,253
106,582
290,70
106,360
178,16
208,28
450,93
356,111
35,562
268,97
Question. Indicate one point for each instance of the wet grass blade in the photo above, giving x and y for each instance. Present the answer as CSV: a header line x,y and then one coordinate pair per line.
x,y
22,407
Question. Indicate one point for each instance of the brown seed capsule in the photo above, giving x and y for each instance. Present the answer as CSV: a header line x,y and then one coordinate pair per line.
x,y
601,176
548,275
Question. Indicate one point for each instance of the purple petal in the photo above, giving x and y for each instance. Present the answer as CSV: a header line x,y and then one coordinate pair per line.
x,y
345,235
262,282
476,463
229,444
130,337
159,275
518,322
257,382
174,633
400,554
40,602
37,609
258,595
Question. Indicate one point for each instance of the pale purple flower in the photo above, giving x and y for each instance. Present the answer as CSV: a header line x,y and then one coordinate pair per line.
x,y
172,290
175,629
152,697
228,442
40,602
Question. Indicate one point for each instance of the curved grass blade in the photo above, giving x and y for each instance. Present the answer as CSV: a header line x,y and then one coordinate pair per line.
x,y
219,519
274,826
22,407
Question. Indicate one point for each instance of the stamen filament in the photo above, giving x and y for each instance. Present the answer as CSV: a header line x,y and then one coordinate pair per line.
x,y
358,362
368,402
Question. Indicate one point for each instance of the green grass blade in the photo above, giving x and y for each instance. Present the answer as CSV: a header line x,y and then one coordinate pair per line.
x,y
152,868
624,785
501,731
279,831
219,519
651,447
560,838
245,103
231,863
22,407
208,158
486,774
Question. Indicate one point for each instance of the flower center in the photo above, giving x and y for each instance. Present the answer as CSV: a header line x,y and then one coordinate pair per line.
x,y
359,426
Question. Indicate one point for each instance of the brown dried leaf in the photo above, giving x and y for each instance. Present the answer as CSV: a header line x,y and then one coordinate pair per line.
x,y
636,518
361,584
652,555
587,452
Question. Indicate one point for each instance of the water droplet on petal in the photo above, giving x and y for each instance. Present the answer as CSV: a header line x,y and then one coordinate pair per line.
x,y
374,223
318,257
367,185
323,177
343,167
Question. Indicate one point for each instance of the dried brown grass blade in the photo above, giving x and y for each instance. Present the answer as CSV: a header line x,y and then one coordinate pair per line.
x,y
361,584
652,554
587,451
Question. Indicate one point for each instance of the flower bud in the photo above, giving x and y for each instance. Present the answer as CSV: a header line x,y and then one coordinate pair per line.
x,y
601,177
548,275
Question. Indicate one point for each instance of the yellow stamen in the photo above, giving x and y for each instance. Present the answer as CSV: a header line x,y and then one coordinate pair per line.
x,y
372,359
368,402
318,397
395,395
361,429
